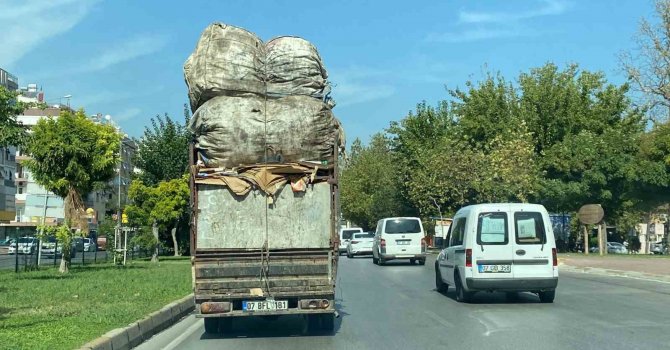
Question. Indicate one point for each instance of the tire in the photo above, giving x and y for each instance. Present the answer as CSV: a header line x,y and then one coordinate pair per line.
x,y
422,262
440,286
381,261
211,325
547,297
412,261
462,296
328,322
349,255
375,260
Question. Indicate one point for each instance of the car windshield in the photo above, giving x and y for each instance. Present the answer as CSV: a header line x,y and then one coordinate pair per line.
x,y
364,235
403,226
26,240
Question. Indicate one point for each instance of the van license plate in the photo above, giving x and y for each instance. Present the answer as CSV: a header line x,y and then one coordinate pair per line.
x,y
406,242
265,305
495,268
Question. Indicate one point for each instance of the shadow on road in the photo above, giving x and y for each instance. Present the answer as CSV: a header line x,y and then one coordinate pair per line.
x,y
271,327
495,297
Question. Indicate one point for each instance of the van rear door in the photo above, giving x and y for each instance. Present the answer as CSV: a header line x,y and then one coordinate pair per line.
x,y
492,252
403,236
532,245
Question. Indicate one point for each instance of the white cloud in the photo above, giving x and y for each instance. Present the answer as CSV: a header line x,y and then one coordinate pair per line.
x,y
138,46
549,8
127,114
27,24
495,25
472,35
360,84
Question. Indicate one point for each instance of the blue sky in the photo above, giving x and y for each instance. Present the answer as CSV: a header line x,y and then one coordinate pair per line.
x,y
125,57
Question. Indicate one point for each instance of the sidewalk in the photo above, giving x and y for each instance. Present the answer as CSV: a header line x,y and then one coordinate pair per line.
x,y
637,266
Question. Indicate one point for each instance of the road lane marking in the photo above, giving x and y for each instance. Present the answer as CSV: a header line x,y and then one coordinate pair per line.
x,y
598,273
189,331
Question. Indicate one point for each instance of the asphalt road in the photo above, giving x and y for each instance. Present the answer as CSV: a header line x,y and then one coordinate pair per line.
x,y
397,307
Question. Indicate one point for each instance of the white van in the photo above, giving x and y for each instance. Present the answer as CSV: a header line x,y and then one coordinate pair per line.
x,y
505,247
345,237
399,238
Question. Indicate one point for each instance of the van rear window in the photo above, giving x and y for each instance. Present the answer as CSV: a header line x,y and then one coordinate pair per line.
x,y
529,228
346,234
492,229
403,226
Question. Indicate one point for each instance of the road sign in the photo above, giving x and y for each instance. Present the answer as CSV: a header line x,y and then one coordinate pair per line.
x,y
591,214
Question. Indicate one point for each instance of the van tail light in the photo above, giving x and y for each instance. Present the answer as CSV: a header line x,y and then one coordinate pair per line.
x,y
468,258
423,244
554,256
382,243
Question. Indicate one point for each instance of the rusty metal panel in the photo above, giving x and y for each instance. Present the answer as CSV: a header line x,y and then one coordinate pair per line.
x,y
293,220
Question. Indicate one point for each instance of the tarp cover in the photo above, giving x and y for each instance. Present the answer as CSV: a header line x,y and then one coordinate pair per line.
x,y
232,131
230,61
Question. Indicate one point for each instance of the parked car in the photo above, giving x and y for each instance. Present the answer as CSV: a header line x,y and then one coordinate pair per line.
x,y
345,237
89,245
399,238
6,242
659,249
78,243
49,248
507,247
616,248
360,244
612,248
27,245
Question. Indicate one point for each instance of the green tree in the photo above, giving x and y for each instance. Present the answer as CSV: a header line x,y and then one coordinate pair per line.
x,y
163,206
72,156
163,150
648,64
12,132
370,184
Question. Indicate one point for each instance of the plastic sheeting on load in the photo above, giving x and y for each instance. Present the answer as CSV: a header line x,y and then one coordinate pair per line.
x,y
229,61
232,131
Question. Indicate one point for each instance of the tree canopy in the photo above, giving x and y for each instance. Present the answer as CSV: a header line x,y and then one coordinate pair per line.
x,y
71,155
12,132
163,150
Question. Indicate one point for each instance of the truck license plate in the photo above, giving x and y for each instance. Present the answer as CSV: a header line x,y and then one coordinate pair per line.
x,y
265,305
495,268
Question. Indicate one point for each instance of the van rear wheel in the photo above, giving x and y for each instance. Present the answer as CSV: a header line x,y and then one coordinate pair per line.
x,y
547,296
462,295
412,261
375,260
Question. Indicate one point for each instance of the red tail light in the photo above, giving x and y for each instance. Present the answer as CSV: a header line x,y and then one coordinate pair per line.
x,y
554,256
423,242
468,258
382,243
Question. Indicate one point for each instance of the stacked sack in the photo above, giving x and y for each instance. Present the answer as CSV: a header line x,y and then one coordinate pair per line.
x,y
256,102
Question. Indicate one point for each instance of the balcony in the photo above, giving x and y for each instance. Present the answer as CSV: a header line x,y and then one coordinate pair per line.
x,y
21,157
20,197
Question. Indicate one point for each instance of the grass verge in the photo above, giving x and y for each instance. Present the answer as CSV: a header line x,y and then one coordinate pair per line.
x,y
47,310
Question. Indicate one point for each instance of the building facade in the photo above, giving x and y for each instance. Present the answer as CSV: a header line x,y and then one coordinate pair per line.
x,y
7,162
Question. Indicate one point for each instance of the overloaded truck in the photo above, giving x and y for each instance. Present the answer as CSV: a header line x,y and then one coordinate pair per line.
x,y
263,179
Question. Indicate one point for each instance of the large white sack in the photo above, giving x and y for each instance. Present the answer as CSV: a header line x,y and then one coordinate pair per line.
x,y
294,67
227,60
232,131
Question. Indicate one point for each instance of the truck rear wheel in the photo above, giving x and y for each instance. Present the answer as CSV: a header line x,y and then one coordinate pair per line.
x,y
211,325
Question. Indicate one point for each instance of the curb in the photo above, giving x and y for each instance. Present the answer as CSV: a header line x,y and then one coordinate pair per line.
x,y
137,332
618,273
